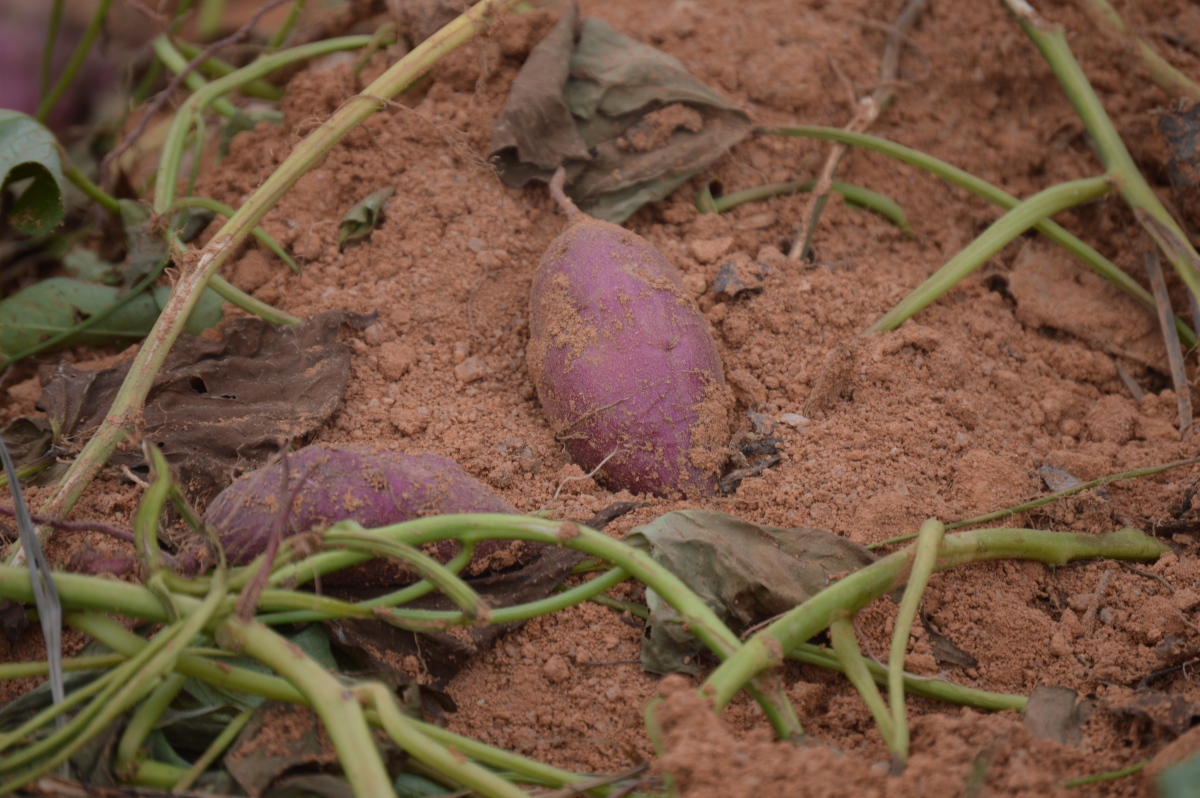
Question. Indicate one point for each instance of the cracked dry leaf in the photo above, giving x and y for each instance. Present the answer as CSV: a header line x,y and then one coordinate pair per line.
x,y
626,120
744,572
217,408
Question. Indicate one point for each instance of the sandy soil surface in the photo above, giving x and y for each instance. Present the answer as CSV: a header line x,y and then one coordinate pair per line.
x,y
950,416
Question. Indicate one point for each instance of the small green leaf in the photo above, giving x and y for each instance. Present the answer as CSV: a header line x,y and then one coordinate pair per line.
x,y
29,150
53,306
361,220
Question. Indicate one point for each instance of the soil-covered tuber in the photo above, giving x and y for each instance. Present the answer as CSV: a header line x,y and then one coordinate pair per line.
x,y
623,362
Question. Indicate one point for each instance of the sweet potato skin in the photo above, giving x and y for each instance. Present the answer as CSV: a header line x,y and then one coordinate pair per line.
x,y
373,487
623,361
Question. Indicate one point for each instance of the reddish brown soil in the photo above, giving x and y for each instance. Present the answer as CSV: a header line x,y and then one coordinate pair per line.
x,y
950,416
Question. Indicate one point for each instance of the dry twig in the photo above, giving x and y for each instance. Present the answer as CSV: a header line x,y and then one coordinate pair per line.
x,y
868,110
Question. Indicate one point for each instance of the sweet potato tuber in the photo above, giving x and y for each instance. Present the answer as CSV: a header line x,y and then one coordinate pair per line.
x,y
373,487
623,362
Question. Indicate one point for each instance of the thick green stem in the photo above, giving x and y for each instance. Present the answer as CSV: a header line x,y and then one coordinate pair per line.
x,y
338,707
409,736
845,648
761,652
924,558
219,674
194,274
95,25
1040,206
981,188
129,750
1051,40
157,660
237,679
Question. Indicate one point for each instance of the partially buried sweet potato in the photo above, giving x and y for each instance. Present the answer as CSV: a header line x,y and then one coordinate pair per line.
x,y
624,365
373,487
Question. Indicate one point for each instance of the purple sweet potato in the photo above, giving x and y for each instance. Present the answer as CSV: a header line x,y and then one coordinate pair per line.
x,y
373,487
623,362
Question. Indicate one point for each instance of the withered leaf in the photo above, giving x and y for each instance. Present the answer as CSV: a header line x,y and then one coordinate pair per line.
x,y
629,123
361,220
257,759
744,572
441,656
1053,713
1180,129
218,407
535,132
1171,714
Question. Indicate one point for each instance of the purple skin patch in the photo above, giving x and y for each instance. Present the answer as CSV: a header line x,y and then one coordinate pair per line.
x,y
374,488
630,375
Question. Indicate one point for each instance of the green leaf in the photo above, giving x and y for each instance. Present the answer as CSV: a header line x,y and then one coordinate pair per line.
x,y
361,220
1182,780
29,150
52,306
86,265
744,572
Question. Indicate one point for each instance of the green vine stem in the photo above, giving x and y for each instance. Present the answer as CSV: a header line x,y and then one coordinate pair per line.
x,y
924,558
471,604
196,270
981,188
858,196
217,68
91,190
916,685
243,680
203,203
214,750
280,35
700,620
339,708
1051,40
130,754
1167,77
845,649
95,25
158,658
52,26
409,737
1040,206
1047,499
175,62
763,651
